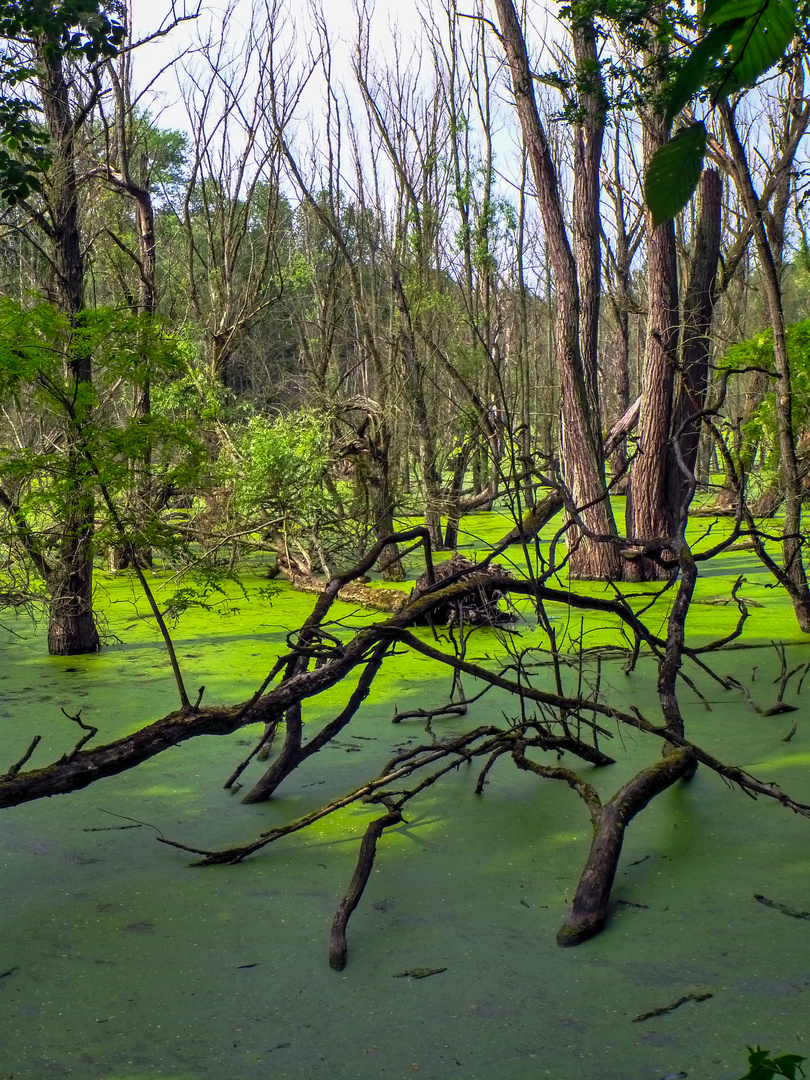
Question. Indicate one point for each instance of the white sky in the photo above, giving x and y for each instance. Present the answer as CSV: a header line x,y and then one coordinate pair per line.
x,y
341,21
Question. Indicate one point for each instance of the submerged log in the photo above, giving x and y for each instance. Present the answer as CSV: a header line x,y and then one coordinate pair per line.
x,y
302,579
589,910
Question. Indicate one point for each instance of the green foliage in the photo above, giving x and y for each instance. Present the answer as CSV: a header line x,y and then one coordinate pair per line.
x,y
762,1067
209,588
190,396
754,36
740,40
81,29
70,27
79,437
38,343
23,143
280,465
761,429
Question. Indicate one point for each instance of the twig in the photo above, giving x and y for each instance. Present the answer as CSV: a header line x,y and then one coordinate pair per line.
x,y
126,817
671,1008
91,731
794,914
365,792
482,776
26,756
458,709
338,946
264,743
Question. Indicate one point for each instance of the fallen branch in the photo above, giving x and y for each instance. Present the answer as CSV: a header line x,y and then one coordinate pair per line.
x,y
589,909
338,946
671,1008
794,914
365,792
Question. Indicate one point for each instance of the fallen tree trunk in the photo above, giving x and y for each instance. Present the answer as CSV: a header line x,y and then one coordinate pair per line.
x,y
304,580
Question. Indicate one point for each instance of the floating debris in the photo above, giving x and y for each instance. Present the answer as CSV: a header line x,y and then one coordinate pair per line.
x,y
670,1008
419,973
794,914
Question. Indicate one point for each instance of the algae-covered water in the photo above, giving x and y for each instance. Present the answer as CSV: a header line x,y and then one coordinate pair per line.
x,y
120,962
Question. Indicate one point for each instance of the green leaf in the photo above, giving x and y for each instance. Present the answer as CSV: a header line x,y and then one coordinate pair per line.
x,y
674,172
696,69
758,43
761,1067
716,12
787,1064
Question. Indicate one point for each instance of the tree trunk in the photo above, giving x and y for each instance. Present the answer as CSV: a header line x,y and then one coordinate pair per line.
x,y
618,461
652,507
71,626
374,472
792,575
581,446
698,308
414,374
71,623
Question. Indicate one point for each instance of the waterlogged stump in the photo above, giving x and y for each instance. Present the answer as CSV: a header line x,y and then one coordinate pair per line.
x,y
478,607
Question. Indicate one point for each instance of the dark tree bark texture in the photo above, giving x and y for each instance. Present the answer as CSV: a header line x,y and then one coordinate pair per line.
x,y
698,308
651,505
589,910
581,443
71,626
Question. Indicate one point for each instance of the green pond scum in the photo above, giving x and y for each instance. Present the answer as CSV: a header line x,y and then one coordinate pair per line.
x,y
120,962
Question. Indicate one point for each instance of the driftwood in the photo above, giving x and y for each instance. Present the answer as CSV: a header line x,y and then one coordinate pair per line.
x,y
304,580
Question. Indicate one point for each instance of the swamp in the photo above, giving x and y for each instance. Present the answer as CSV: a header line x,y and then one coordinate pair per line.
x,y
122,961
404,605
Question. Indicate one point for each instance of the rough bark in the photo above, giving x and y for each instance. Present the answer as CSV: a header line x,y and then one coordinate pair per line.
x,y
588,139
651,512
581,446
696,325
620,251
71,626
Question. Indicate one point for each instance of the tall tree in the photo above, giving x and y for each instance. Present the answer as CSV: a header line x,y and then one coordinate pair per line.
x,y
577,290
792,573
652,503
